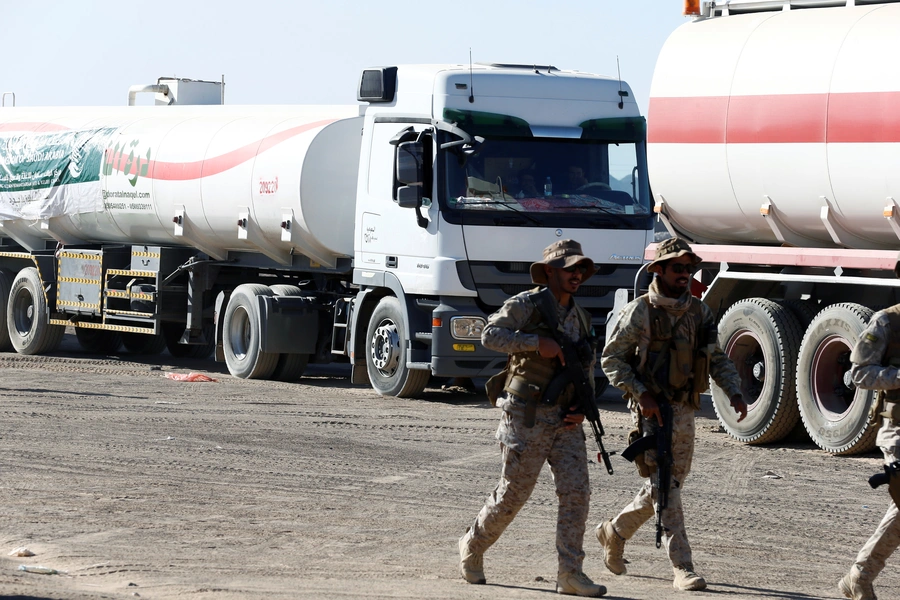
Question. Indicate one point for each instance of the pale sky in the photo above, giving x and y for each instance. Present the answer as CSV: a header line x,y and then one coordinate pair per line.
x,y
89,52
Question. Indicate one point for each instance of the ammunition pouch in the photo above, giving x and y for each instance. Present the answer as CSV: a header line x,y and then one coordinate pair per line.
x,y
494,386
528,393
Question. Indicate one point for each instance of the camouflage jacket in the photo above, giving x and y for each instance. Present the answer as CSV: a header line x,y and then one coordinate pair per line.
x,y
868,372
502,331
626,351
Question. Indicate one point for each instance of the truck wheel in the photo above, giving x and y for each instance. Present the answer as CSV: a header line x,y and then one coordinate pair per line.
x,y
143,343
762,339
386,353
27,316
98,341
172,332
6,281
834,411
241,335
290,367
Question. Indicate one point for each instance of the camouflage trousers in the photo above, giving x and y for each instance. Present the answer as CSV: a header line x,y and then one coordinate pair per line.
x,y
871,558
524,451
643,507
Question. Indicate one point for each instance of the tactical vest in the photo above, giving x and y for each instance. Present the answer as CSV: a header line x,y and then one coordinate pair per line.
x,y
672,352
529,372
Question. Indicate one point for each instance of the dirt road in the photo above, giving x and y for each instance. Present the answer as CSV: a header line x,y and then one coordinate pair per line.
x,y
133,485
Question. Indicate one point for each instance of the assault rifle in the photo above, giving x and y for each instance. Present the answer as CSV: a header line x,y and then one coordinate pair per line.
x,y
573,372
661,441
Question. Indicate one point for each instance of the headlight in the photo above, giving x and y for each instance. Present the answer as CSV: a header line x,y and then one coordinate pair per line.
x,y
467,328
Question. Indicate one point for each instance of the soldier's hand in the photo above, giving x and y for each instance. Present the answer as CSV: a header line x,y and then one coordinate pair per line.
x,y
649,407
548,348
573,419
739,406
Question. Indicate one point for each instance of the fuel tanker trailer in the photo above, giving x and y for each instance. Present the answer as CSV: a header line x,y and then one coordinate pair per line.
x,y
774,140
381,234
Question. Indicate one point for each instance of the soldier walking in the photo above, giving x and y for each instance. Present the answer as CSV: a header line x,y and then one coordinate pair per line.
x,y
533,431
875,360
651,356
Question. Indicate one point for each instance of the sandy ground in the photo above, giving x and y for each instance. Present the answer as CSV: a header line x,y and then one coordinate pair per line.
x,y
133,485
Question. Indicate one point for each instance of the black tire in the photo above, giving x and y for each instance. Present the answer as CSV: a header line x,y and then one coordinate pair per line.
x,y
27,317
805,311
762,339
834,413
386,353
290,367
143,343
98,341
281,289
601,384
172,332
241,335
6,281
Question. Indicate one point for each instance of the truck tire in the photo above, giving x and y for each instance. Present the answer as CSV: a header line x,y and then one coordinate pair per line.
x,y
834,412
27,316
762,339
172,332
805,311
386,353
6,281
290,367
241,335
143,343
98,341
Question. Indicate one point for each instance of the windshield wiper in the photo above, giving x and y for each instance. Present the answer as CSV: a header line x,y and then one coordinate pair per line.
x,y
508,205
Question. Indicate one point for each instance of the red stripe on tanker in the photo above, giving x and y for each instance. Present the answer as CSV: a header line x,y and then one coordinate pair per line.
x,y
777,119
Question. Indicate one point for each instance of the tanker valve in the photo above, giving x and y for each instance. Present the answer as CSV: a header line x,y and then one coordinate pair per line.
x,y
242,222
176,219
285,224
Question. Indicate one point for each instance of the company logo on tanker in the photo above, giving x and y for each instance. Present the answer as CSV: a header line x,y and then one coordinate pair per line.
x,y
135,164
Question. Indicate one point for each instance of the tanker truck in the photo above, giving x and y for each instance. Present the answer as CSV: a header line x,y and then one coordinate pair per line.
x,y
773,145
380,234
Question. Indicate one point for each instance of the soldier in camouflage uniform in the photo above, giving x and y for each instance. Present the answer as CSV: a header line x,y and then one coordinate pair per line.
x,y
533,432
875,359
667,312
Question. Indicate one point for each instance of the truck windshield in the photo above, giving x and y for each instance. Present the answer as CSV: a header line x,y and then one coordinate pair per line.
x,y
547,179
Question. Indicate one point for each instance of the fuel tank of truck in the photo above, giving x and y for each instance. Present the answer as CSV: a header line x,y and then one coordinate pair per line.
x,y
277,179
780,127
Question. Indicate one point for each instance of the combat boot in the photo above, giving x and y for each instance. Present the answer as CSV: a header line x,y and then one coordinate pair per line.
x,y
613,547
471,564
855,586
687,580
578,584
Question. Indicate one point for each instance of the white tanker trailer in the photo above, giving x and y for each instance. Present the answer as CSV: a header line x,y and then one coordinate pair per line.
x,y
774,140
380,233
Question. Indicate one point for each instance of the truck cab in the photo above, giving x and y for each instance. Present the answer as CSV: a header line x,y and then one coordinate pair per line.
x,y
467,173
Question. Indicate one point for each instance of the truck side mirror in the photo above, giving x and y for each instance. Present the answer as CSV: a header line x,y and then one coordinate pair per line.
x,y
409,163
409,196
409,174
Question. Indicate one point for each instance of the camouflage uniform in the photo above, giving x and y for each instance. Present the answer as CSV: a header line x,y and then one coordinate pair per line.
x,y
628,345
524,450
868,373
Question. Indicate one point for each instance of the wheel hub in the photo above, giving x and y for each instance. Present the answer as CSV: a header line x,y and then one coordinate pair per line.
x,y
385,348
759,371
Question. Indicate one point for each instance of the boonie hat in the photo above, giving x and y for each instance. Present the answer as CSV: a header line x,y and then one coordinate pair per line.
x,y
673,248
561,254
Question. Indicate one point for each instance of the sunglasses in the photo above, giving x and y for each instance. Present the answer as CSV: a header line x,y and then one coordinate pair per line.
x,y
679,268
583,269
